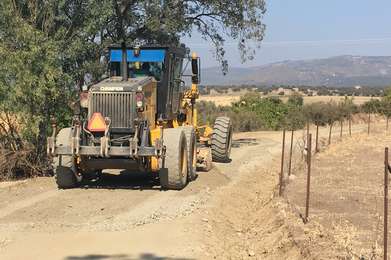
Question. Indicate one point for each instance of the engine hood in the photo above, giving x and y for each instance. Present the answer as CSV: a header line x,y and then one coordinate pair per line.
x,y
117,85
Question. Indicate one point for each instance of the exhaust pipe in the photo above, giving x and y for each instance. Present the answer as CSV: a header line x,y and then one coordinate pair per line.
x,y
124,63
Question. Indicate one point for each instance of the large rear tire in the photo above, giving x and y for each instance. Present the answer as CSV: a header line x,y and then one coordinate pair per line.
x,y
222,140
173,175
191,142
63,165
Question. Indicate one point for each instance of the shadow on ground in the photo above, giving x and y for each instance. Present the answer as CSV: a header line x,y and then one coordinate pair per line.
x,y
244,142
146,256
131,180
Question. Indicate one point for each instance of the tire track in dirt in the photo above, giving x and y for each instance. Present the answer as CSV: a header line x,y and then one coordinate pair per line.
x,y
27,203
139,214
226,213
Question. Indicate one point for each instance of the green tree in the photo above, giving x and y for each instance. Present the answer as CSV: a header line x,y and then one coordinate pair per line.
x,y
83,24
333,114
372,106
386,105
33,87
294,119
315,113
47,47
296,100
271,111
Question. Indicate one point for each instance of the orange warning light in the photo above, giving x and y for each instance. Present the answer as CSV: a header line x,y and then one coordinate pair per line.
x,y
97,123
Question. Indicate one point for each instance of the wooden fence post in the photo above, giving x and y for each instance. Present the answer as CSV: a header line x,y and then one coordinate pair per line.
x,y
350,126
309,157
282,164
317,139
386,172
290,154
340,134
331,127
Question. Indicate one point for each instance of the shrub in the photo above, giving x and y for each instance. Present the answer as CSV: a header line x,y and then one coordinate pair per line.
x,y
296,100
372,106
245,121
271,111
315,113
294,119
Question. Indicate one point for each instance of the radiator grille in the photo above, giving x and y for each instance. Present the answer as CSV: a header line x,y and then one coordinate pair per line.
x,y
118,106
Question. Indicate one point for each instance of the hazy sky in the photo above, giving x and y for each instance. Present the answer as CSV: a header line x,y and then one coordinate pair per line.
x,y
305,29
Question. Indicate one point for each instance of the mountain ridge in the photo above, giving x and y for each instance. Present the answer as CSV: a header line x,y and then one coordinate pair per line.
x,y
337,71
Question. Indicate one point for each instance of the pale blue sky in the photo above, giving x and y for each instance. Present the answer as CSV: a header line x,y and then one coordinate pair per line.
x,y
306,29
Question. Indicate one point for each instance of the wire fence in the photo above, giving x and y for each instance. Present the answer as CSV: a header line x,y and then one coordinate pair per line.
x,y
300,151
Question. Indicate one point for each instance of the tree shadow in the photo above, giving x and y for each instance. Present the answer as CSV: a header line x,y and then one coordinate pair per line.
x,y
145,256
127,179
244,142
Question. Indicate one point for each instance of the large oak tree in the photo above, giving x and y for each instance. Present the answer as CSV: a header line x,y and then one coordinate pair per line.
x,y
47,46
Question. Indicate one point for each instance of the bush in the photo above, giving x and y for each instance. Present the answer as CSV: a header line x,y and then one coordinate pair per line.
x,y
296,100
372,106
314,113
245,121
254,112
295,119
271,111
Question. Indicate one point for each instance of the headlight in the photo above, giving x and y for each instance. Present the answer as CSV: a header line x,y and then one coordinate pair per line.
x,y
84,99
140,101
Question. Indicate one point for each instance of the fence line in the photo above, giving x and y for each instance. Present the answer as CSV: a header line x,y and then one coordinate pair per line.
x,y
305,148
309,157
282,164
386,172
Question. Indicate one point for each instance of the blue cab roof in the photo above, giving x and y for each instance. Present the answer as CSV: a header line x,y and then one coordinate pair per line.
x,y
152,55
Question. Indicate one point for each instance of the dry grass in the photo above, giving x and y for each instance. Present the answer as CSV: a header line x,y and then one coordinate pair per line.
x,y
228,99
309,100
346,193
220,100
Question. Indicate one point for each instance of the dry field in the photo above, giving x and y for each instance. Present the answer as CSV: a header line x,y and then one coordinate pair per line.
x,y
228,99
346,205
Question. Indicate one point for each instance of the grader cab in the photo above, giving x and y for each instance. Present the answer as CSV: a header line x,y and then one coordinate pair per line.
x,y
140,117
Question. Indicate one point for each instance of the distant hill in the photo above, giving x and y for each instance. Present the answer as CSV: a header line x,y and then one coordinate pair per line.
x,y
340,71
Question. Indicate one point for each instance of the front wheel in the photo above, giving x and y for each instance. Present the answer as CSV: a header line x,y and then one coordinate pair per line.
x,y
222,139
173,175
191,142
63,165
65,178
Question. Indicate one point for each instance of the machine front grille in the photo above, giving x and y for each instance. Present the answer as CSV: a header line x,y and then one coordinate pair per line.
x,y
118,106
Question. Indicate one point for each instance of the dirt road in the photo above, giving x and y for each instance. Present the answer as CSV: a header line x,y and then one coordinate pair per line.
x,y
122,217
217,216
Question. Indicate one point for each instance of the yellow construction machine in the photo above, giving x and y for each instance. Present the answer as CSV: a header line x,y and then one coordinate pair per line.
x,y
141,117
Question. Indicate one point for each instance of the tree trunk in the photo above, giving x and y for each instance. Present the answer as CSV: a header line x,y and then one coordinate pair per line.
x,y
331,127
369,123
43,131
282,164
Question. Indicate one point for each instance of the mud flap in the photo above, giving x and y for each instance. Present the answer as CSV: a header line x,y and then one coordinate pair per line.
x,y
204,159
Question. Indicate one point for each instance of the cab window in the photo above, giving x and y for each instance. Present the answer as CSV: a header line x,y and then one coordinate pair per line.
x,y
146,62
144,69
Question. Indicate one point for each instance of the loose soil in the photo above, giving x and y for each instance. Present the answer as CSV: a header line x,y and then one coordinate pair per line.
x,y
231,212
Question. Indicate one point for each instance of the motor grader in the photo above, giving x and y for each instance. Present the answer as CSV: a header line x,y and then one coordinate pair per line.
x,y
141,116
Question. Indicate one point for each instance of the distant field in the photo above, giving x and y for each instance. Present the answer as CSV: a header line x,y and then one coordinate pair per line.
x,y
226,100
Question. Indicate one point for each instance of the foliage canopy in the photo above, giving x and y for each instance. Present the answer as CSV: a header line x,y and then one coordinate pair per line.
x,y
47,47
